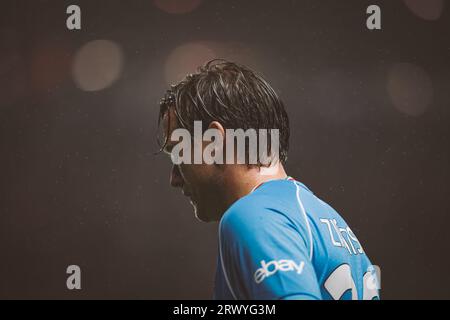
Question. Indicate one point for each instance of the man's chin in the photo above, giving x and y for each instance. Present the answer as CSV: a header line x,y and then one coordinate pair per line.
x,y
200,215
202,218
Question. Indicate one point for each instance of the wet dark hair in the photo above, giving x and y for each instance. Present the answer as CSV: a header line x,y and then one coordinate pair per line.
x,y
230,94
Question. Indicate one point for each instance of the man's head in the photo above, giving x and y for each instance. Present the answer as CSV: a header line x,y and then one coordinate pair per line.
x,y
222,95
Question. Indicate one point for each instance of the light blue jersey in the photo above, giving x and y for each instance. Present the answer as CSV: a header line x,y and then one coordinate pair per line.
x,y
282,242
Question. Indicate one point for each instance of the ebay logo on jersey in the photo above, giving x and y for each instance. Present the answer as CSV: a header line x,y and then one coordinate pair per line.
x,y
270,268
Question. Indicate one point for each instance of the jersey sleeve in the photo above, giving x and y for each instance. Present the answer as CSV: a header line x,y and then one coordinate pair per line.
x,y
265,255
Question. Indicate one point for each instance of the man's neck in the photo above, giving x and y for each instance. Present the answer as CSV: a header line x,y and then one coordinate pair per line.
x,y
240,180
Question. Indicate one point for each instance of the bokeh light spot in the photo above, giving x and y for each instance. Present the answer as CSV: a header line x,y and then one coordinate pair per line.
x,y
426,9
410,88
50,66
186,59
97,65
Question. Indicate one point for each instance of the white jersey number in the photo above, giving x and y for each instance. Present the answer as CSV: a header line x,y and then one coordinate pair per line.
x,y
340,281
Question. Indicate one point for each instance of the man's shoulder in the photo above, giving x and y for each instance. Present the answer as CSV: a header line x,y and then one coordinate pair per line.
x,y
269,203
246,210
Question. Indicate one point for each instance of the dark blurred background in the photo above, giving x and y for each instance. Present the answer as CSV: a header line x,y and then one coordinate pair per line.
x,y
79,181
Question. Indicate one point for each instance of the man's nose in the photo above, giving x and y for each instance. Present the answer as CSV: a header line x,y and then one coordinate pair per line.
x,y
176,180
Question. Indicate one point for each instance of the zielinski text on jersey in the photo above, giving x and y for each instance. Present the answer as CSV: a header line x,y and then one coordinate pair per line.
x,y
343,237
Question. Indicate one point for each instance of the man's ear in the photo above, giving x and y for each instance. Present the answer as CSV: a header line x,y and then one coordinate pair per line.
x,y
218,126
213,152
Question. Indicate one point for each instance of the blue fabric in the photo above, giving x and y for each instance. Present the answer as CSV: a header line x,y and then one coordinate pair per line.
x,y
282,242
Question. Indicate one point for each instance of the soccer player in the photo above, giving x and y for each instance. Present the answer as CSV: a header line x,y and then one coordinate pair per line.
x,y
277,240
